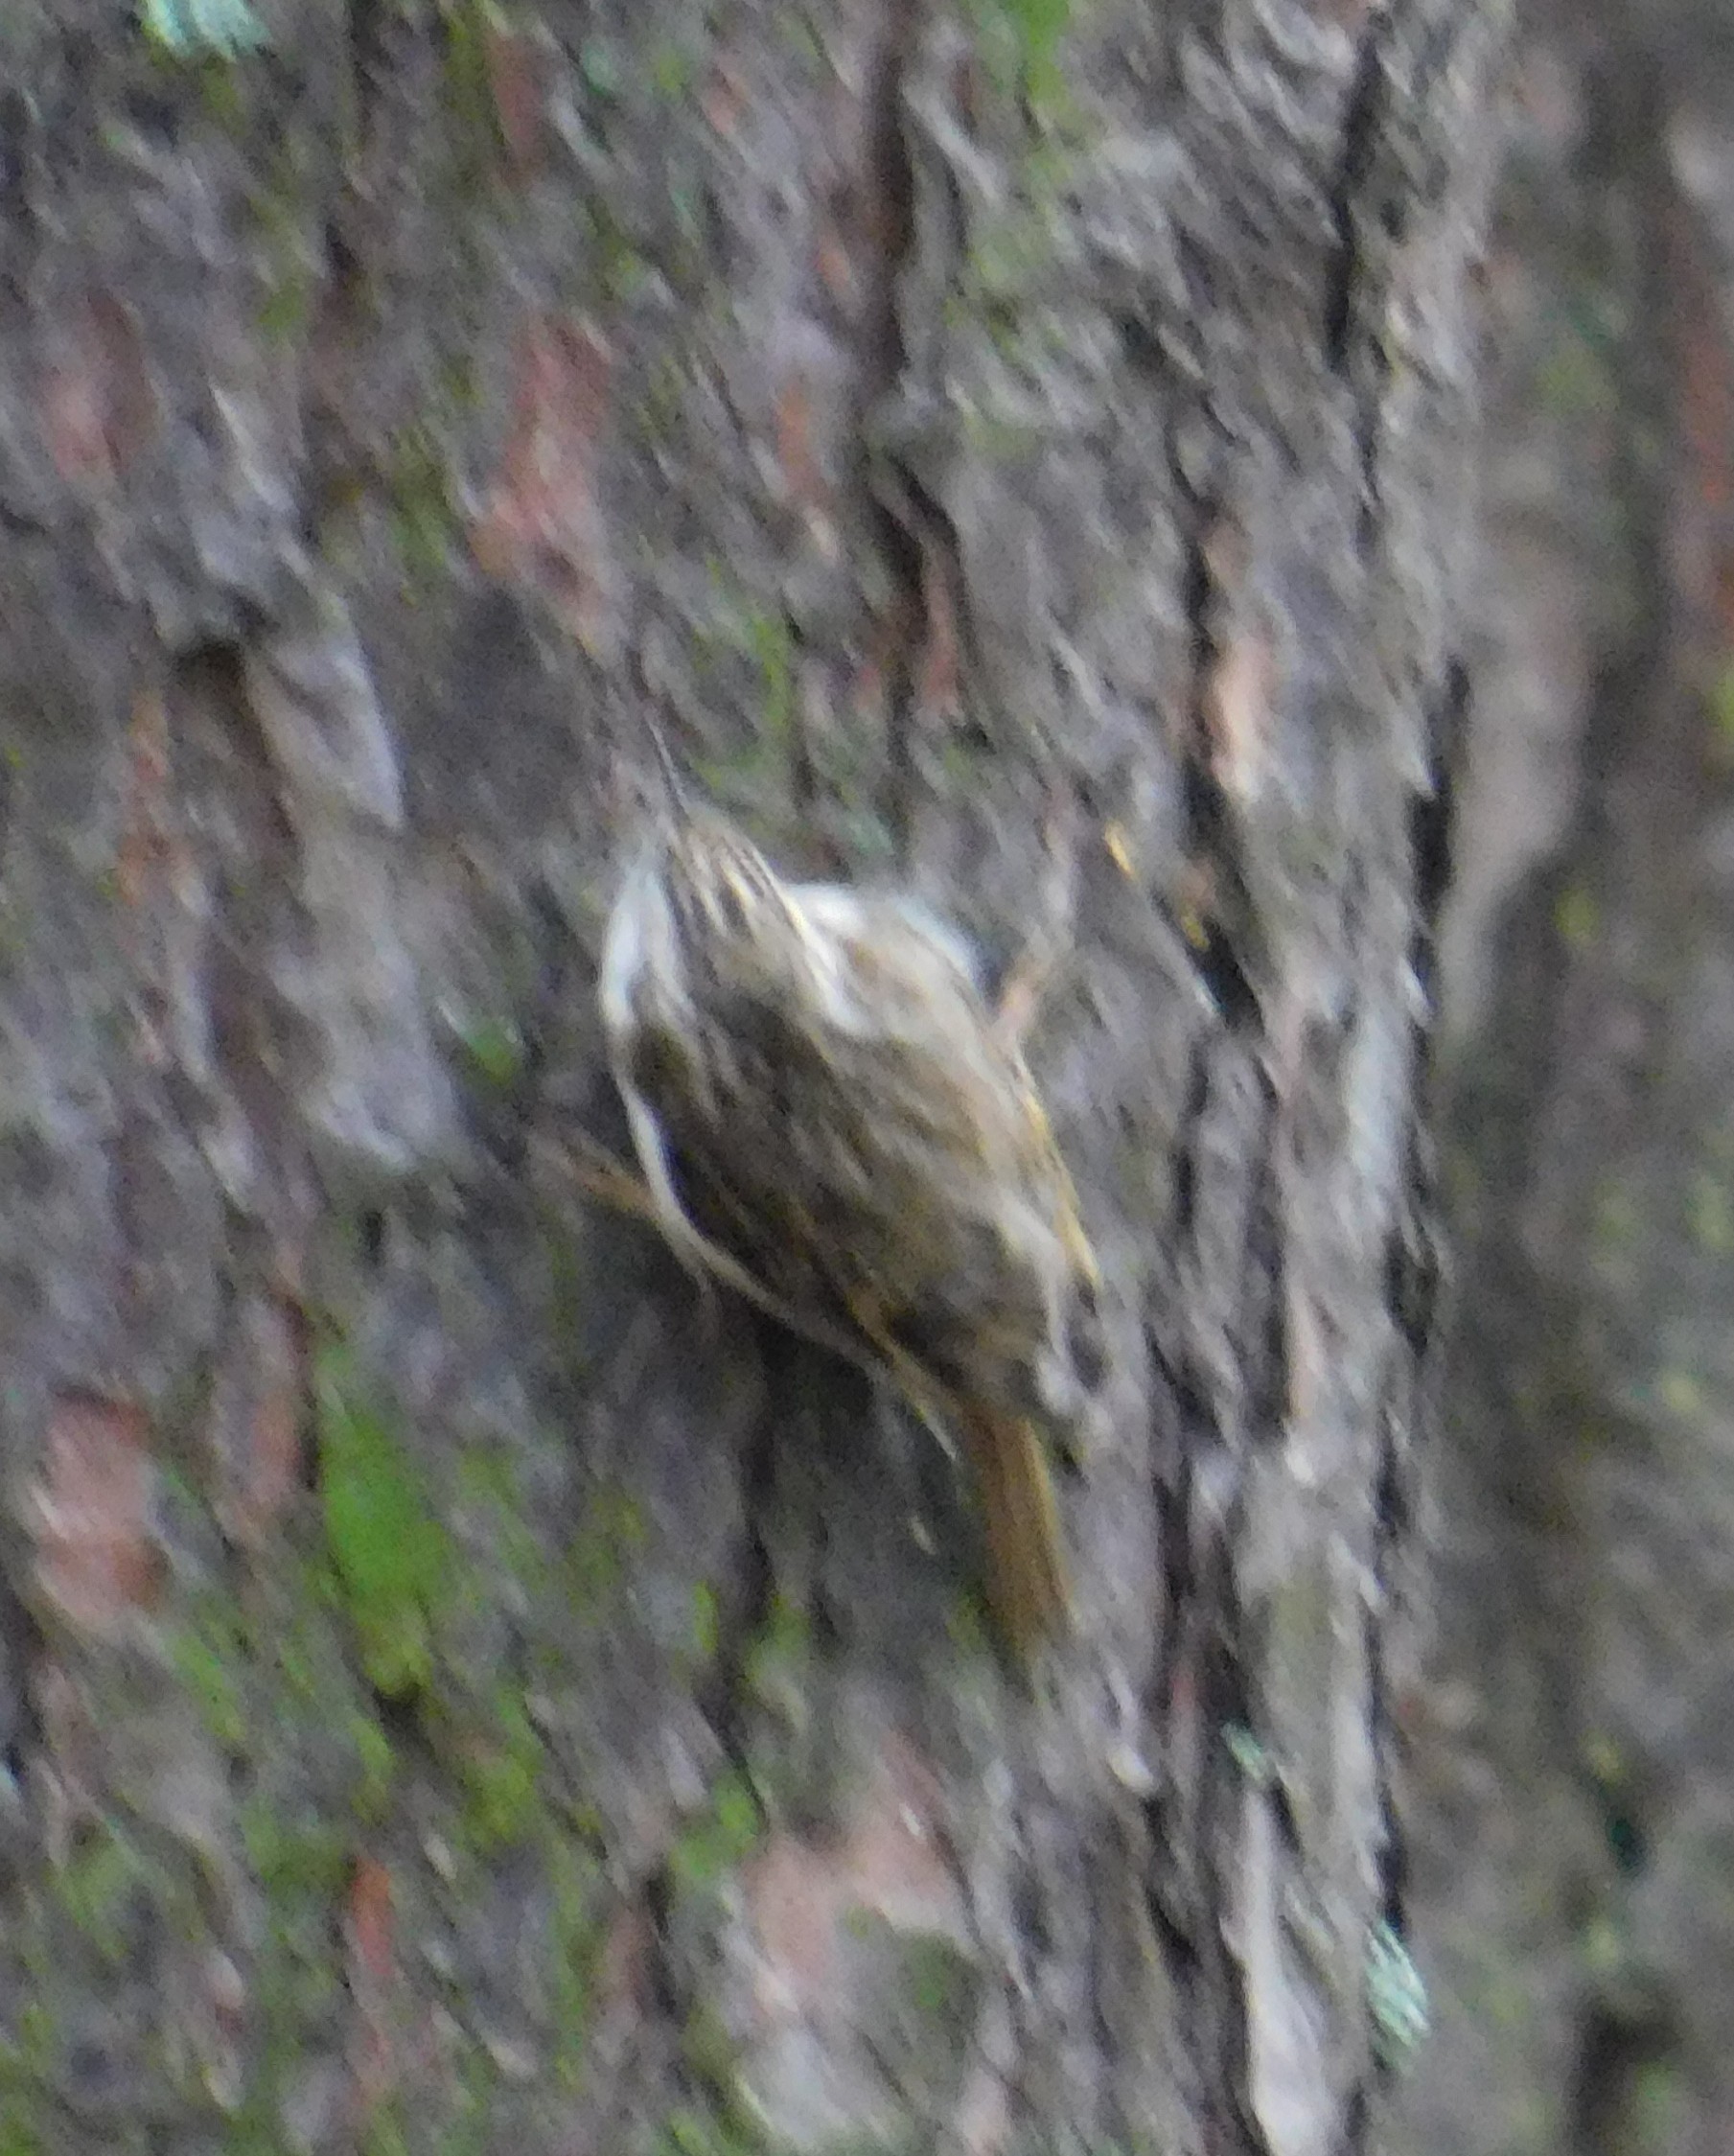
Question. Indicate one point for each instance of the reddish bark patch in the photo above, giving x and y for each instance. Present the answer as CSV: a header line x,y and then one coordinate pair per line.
x,y
1238,704
97,1558
274,1457
941,682
542,524
724,97
516,69
622,1980
1704,397
259,1413
891,1863
796,1895
369,1932
144,844
834,266
804,478
100,407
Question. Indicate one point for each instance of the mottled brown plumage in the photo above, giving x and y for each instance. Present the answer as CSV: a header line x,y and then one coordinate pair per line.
x,y
830,1119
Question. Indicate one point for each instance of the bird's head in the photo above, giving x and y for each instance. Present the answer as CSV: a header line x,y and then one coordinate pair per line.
x,y
700,909
719,889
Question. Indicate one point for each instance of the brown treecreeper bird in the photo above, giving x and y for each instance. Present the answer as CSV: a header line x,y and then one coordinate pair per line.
x,y
831,1120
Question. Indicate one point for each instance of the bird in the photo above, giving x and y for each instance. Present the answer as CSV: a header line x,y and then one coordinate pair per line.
x,y
831,1119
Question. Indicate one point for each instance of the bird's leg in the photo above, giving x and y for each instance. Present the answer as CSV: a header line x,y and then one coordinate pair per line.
x,y
866,1307
599,1174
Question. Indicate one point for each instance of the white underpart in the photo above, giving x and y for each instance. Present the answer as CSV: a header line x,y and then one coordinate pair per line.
x,y
840,914
623,949
841,910
640,917
641,913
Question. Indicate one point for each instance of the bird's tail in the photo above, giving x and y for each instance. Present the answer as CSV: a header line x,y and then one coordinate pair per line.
x,y
1027,1586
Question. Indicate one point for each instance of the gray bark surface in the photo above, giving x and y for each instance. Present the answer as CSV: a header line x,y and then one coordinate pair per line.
x,y
1574,1744
464,1688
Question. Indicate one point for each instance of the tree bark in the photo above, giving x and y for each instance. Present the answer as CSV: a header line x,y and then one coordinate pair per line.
x,y
467,1689
1572,1840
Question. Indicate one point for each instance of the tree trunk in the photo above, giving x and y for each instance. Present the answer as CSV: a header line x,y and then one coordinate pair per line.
x,y
1574,1843
468,1688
